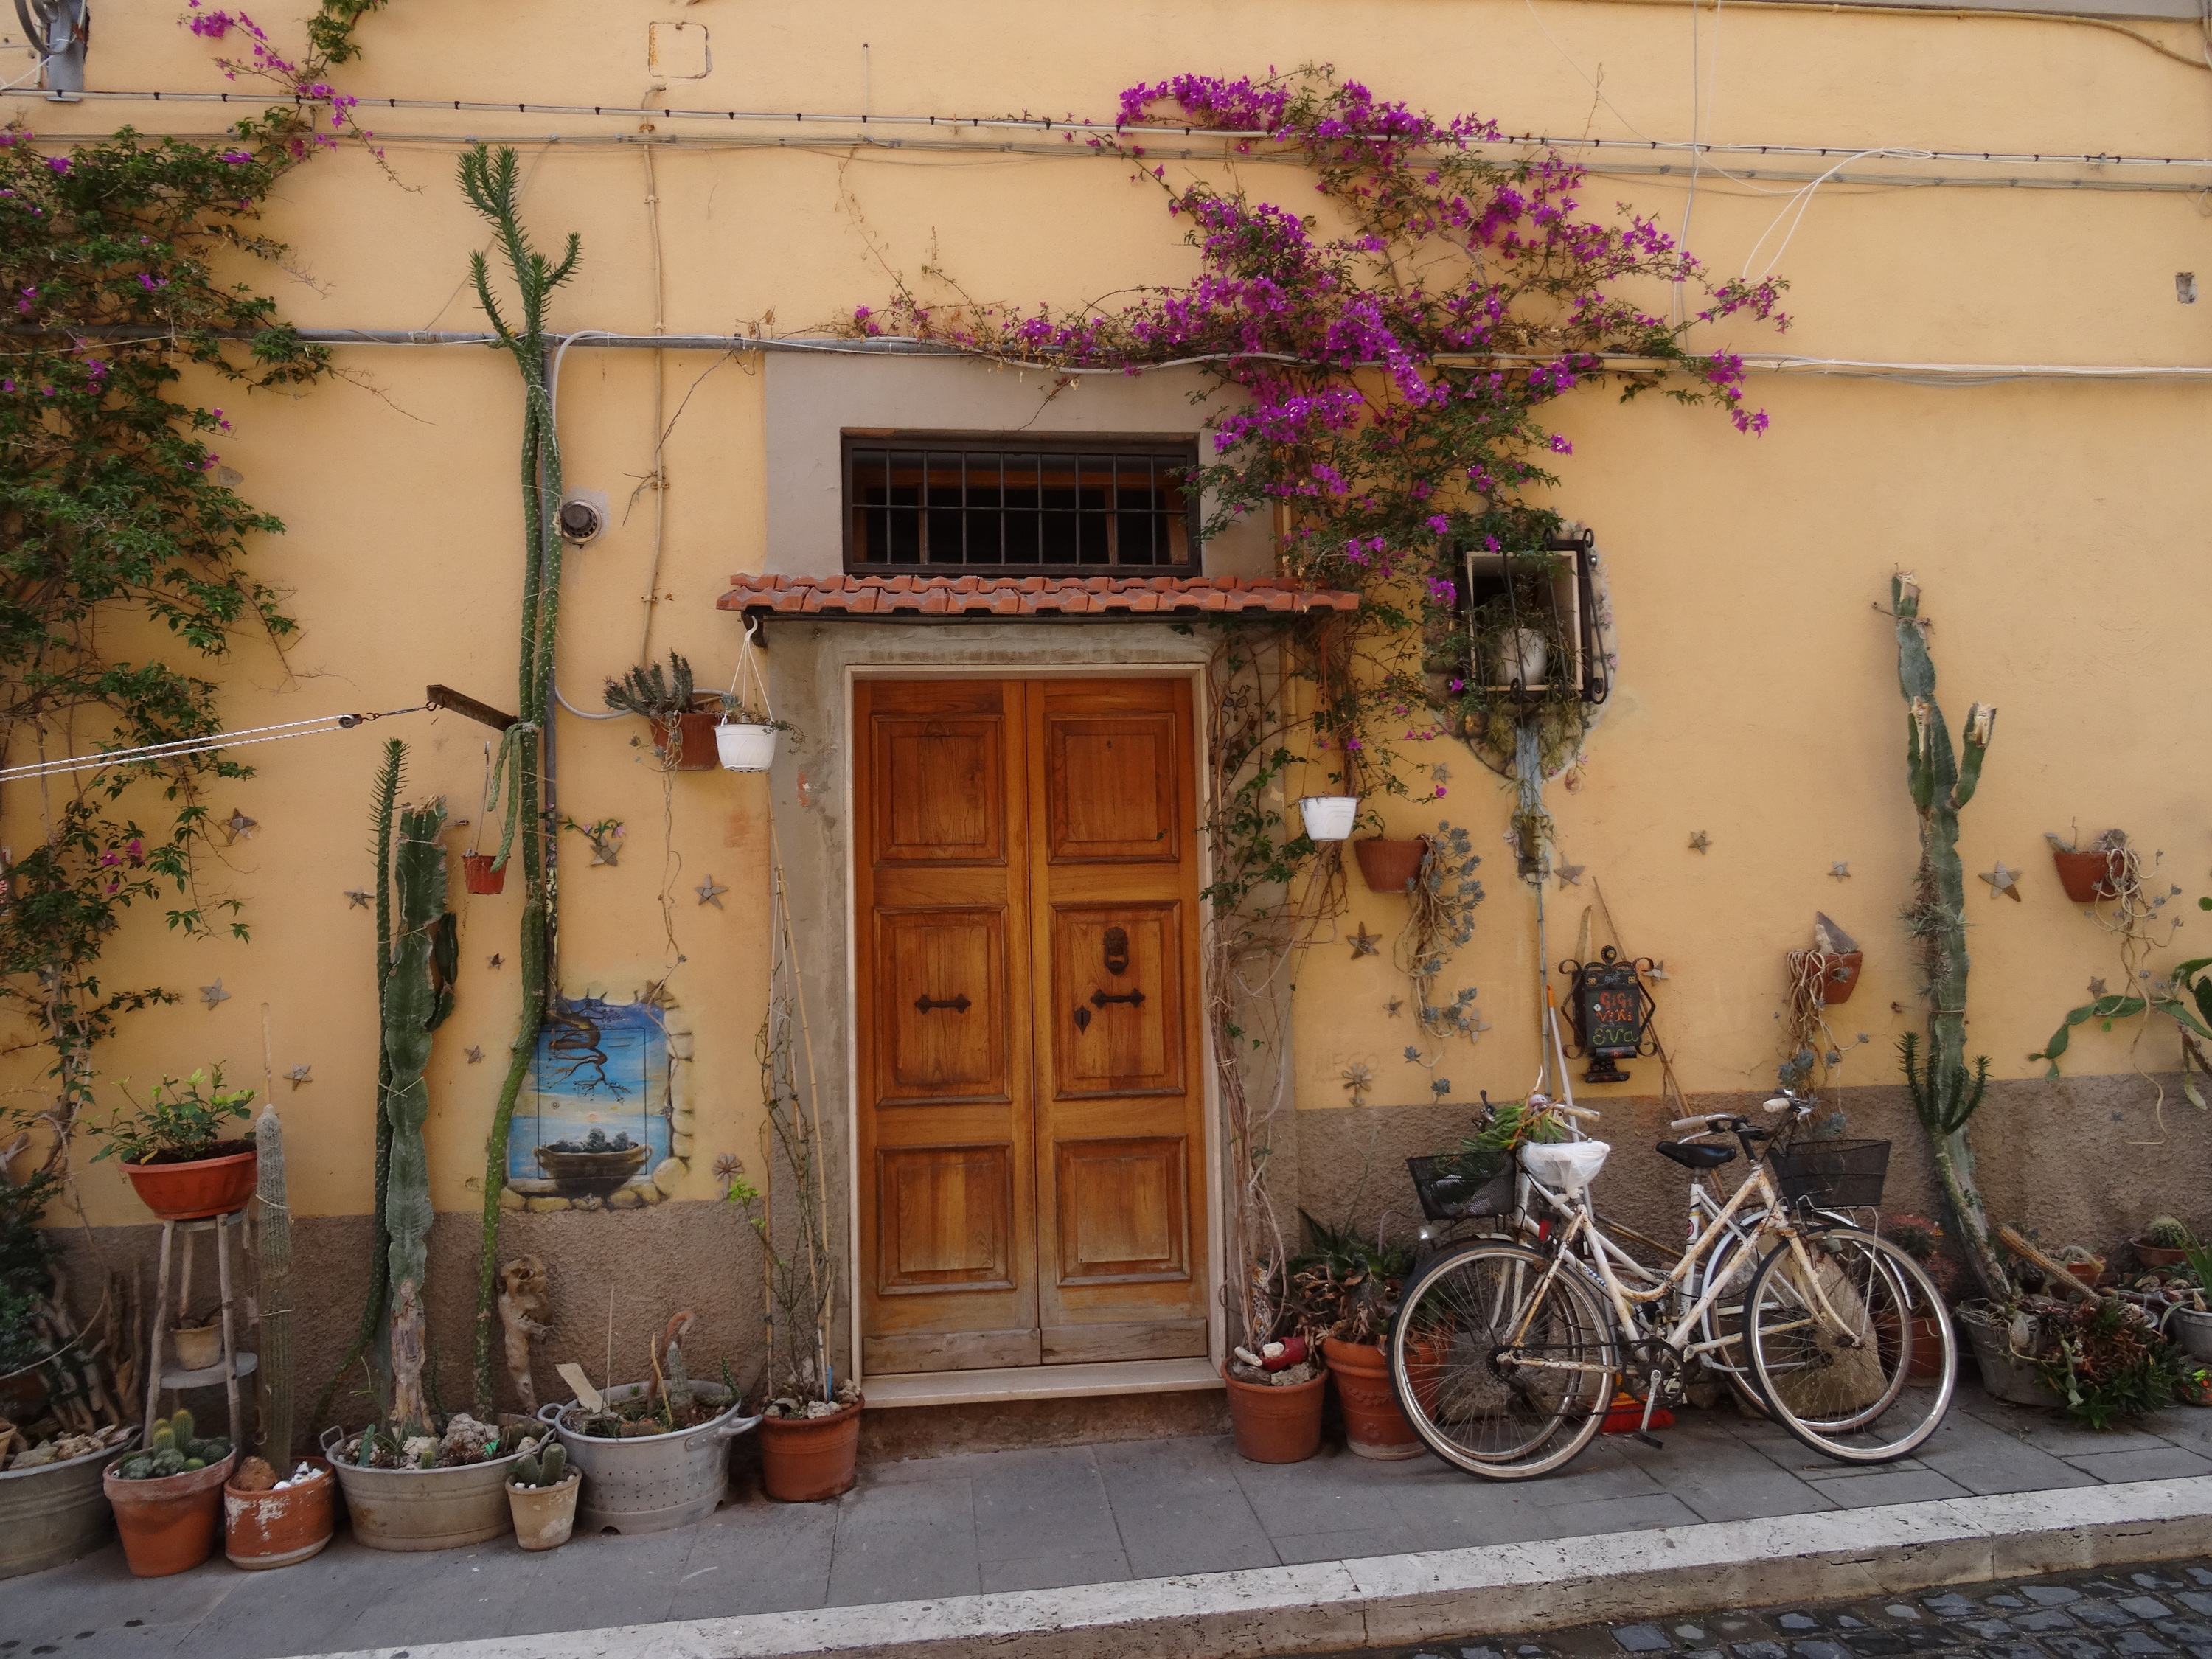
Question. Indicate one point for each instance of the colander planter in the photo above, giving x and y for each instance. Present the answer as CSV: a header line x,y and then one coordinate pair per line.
x,y
653,1482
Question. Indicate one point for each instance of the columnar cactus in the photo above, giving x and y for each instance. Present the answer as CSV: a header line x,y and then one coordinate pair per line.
x,y
411,1007
272,1241
1942,782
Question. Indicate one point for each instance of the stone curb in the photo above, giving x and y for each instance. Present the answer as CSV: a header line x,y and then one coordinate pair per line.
x,y
1495,1589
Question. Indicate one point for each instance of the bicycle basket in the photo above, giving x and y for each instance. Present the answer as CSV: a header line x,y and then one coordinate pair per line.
x,y
1832,1175
1453,1189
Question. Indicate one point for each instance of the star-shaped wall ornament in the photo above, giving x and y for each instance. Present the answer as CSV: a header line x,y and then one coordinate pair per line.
x,y
1358,1079
239,825
710,892
2096,987
1700,842
496,960
357,898
211,994
1569,875
475,1054
1395,1006
1841,869
298,1075
1362,942
2002,880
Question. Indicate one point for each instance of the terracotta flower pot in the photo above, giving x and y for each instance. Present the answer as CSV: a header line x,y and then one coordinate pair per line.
x,y
170,1524
804,1460
2086,877
2151,1256
204,1187
1840,976
1373,1425
544,1515
477,870
1389,866
1927,1345
693,747
2088,1271
1276,1424
263,1529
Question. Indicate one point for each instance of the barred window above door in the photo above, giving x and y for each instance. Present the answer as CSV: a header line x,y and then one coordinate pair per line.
x,y
1018,504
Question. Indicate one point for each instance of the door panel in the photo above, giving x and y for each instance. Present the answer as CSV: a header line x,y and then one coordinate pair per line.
x,y
1032,1145
1117,994
1111,790
948,1040
946,1122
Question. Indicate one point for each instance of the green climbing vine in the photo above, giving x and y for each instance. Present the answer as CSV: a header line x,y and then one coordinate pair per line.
x,y
116,511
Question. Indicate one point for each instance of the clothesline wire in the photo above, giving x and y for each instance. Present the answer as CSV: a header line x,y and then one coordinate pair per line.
x,y
178,748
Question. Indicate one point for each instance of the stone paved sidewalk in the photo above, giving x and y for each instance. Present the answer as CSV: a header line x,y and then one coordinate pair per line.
x,y
2162,1611
1040,1519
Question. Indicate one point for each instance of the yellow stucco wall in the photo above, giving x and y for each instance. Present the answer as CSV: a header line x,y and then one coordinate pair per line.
x,y
2054,525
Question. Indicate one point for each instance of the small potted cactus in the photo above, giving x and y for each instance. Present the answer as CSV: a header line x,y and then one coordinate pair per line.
x,y
168,1498
2164,1243
541,1491
682,718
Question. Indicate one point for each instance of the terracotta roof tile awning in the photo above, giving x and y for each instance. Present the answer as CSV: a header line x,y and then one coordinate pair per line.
x,y
1116,596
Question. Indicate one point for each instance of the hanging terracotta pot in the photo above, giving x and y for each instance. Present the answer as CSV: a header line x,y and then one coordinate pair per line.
x,y
1840,975
169,1525
689,744
478,872
804,1460
204,1187
1274,1424
1373,1425
2086,877
1390,866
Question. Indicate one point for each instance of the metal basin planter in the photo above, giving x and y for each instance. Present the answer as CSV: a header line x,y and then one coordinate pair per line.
x,y
2006,1375
424,1509
55,1512
654,1482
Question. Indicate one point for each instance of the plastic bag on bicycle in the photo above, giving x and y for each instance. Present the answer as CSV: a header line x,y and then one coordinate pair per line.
x,y
1567,1165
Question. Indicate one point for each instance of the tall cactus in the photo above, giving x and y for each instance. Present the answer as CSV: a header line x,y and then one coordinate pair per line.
x,y
1942,781
272,1244
410,1008
384,805
490,180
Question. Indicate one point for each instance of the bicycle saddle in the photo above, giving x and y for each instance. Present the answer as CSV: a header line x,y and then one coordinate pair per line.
x,y
1704,1155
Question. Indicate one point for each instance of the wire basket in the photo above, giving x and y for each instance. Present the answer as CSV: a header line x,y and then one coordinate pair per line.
x,y
1832,1175
1451,1192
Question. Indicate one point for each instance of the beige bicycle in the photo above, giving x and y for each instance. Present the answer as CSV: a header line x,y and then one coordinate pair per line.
x,y
1507,1351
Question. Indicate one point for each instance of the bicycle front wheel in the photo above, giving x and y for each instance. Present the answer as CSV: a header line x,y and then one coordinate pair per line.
x,y
1852,1345
1504,1366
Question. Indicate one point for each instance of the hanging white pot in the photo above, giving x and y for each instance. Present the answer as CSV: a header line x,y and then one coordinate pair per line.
x,y
1329,818
1522,658
745,747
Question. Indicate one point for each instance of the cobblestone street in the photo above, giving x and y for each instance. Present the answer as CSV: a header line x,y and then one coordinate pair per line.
x,y
2160,1611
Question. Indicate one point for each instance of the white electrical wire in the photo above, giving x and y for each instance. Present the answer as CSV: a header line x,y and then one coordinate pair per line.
x,y
1801,199
180,748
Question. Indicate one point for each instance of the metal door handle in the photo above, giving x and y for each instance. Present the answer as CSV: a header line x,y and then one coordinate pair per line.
x,y
959,1005
1134,999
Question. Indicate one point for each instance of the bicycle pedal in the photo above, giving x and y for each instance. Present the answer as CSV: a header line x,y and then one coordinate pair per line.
x,y
1651,1440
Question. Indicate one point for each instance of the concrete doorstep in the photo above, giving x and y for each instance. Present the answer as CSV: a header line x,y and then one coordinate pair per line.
x,y
1504,1589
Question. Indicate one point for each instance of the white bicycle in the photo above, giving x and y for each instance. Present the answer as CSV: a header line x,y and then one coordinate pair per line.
x,y
1506,1352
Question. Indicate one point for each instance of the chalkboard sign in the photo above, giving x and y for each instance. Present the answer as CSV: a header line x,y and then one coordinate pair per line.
x,y
1609,1003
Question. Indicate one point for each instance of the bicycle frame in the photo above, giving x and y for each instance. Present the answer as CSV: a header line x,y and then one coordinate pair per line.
x,y
1773,1217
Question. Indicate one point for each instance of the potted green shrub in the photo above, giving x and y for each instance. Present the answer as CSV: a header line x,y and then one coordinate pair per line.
x,y
681,716
168,1498
174,1151
1347,1287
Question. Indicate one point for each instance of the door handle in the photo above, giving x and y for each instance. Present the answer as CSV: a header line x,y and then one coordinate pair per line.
x,y
1134,999
959,1005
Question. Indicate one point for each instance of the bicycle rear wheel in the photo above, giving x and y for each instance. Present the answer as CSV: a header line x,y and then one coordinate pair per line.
x,y
1856,1359
1503,1368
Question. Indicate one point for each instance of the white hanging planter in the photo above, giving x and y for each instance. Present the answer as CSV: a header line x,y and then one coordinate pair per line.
x,y
1329,818
745,747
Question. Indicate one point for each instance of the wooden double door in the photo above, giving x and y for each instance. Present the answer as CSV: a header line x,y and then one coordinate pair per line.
x,y
1031,1144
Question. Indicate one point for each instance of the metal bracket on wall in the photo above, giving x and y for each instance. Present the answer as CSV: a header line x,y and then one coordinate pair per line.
x,y
444,696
